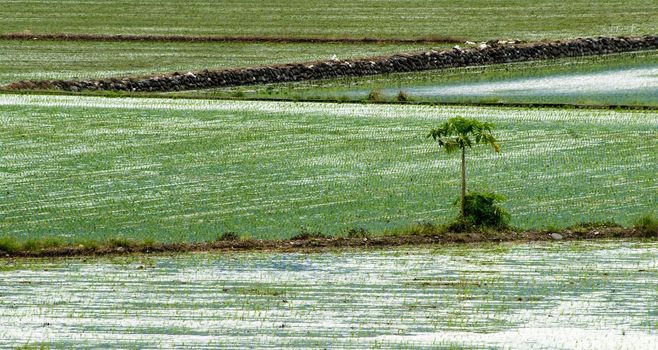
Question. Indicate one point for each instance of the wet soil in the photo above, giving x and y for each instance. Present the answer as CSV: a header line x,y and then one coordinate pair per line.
x,y
312,243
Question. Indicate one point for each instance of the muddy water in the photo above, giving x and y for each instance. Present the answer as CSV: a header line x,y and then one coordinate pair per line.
x,y
541,296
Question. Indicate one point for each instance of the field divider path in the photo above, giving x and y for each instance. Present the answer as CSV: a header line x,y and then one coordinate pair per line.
x,y
225,38
415,236
492,52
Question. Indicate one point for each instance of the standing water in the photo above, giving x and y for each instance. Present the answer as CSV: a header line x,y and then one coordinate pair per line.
x,y
619,86
565,295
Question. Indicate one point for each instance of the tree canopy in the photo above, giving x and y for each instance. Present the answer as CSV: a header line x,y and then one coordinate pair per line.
x,y
455,134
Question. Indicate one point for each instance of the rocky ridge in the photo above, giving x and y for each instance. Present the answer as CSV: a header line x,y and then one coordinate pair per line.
x,y
487,53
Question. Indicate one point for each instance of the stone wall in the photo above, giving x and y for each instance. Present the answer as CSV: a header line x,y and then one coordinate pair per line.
x,y
490,53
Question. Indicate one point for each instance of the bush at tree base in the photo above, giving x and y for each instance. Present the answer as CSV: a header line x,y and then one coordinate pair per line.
x,y
480,210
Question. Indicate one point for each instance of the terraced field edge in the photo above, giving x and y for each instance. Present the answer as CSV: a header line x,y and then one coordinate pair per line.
x,y
227,38
410,102
425,234
485,54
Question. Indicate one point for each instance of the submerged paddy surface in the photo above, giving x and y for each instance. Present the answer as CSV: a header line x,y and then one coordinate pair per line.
x,y
633,86
567,295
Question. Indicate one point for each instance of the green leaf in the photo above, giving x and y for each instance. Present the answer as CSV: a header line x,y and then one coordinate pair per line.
x,y
455,134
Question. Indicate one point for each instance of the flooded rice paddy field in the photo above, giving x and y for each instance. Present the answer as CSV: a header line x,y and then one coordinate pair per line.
x,y
566,295
616,79
187,170
634,86
637,86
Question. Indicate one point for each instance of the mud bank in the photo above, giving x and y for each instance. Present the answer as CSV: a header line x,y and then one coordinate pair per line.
x,y
417,236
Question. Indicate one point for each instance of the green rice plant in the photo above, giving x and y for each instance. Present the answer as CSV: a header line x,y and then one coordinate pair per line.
x,y
36,60
31,347
188,170
476,20
593,225
403,298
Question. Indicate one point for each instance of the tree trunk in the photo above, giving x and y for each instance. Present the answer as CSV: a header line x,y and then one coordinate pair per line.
x,y
463,196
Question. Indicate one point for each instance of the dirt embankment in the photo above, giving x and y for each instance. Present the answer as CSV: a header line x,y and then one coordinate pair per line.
x,y
490,53
225,38
420,236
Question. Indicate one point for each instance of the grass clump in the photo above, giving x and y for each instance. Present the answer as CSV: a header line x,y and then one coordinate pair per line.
x,y
359,232
595,224
375,96
588,226
42,243
420,229
89,244
647,224
148,243
427,229
229,236
305,234
481,211
120,242
9,245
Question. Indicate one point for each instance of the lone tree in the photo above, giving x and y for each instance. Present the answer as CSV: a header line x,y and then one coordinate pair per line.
x,y
456,134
